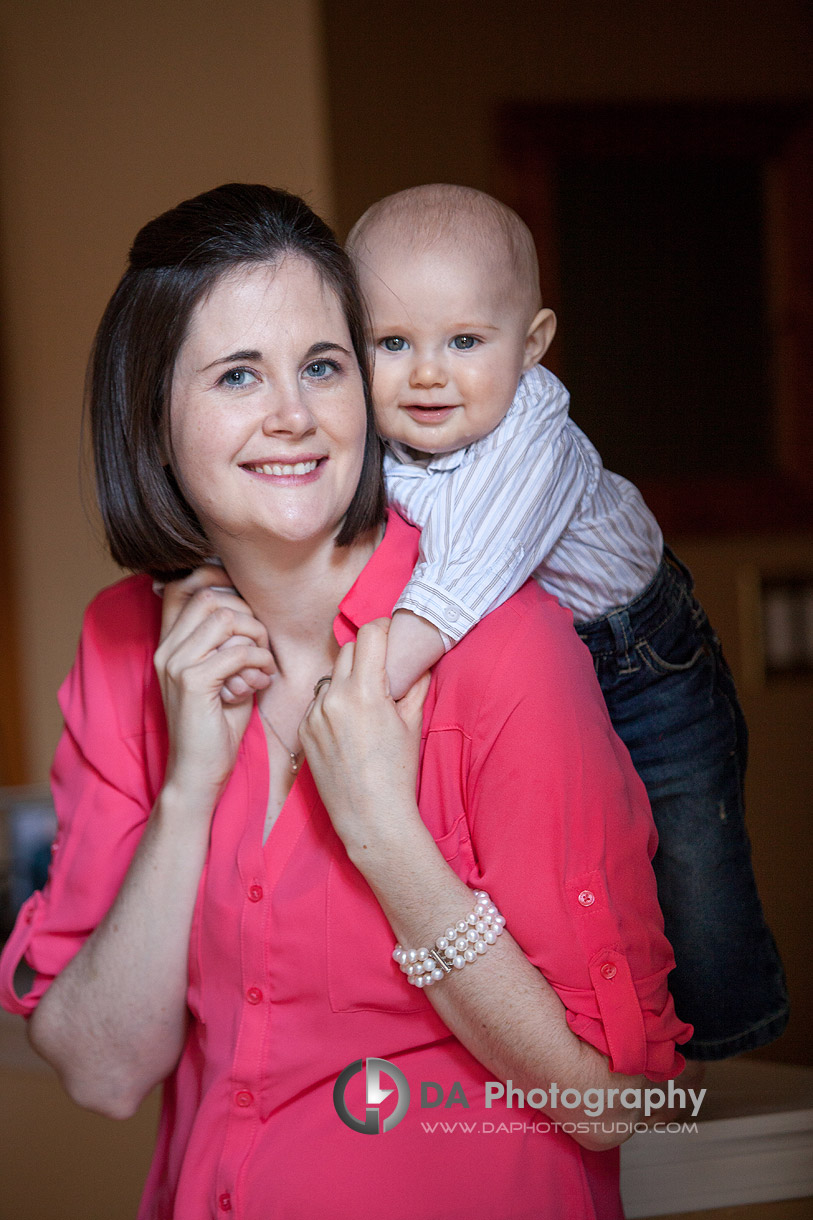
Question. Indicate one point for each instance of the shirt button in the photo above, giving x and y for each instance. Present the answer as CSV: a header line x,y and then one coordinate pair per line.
x,y
254,995
255,892
224,1203
451,615
243,1098
608,970
587,898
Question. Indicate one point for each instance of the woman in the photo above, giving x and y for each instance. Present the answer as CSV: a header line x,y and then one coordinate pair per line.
x,y
223,918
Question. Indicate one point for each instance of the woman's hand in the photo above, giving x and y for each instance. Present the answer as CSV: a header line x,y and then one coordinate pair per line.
x,y
362,747
209,636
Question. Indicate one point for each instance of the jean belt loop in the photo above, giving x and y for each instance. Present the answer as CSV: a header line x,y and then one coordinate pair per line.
x,y
619,622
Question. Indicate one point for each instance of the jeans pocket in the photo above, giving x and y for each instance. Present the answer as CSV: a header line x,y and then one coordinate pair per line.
x,y
680,643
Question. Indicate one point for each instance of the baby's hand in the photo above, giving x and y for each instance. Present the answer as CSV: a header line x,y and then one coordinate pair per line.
x,y
413,646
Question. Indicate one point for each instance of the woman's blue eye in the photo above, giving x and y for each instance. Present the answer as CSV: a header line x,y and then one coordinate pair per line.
x,y
237,378
464,343
394,343
319,369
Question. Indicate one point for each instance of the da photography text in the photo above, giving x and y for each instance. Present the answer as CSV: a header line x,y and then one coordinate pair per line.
x,y
433,1096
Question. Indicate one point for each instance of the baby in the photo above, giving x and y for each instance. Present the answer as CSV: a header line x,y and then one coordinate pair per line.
x,y
481,454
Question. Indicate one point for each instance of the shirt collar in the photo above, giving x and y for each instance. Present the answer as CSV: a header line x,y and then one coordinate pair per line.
x,y
438,461
382,580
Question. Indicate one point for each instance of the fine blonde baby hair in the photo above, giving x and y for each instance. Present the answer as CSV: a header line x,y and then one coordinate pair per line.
x,y
441,214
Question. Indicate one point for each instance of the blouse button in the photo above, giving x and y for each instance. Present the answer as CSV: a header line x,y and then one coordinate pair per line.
x,y
255,892
254,995
608,970
451,615
587,898
224,1203
243,1098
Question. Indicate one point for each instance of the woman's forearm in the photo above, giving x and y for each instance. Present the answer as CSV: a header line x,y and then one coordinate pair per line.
x,y
501,1007
113,1022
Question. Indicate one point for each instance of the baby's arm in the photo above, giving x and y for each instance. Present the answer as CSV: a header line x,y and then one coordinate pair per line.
x,y
413,646
486,524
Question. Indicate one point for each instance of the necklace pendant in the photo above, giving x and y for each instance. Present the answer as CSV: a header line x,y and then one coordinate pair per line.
x,y
295,763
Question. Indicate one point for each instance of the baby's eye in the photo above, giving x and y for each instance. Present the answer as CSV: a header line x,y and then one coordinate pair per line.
x,y
237,378
393,343
320,369
464,343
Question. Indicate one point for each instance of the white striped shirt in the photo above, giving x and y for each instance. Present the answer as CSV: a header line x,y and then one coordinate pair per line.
x,y
531,498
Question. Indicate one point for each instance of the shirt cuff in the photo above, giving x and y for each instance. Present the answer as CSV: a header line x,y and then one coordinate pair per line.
x,y
451,617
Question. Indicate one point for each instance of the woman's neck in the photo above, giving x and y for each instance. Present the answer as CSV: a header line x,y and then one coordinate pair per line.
x,y
294,590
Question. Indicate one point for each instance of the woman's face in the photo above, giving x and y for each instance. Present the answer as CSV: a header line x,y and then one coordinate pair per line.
x,y
267,414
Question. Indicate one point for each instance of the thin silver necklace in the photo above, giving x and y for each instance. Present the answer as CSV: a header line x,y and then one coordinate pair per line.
x,y
295,756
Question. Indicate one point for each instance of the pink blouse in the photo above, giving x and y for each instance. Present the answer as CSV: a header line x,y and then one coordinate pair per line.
x,y
528,794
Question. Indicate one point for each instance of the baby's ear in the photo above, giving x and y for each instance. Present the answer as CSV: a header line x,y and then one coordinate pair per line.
x,y
539,337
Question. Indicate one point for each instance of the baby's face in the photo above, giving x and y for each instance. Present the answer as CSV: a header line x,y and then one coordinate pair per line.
x,y
450,345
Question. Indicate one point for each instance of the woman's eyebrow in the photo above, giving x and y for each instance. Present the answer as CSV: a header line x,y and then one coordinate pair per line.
x,y
247,354
317,348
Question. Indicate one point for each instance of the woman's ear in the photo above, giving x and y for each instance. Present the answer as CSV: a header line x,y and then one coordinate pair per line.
x,y
539,337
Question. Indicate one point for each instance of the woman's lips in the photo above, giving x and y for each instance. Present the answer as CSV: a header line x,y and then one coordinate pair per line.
x,y
428,414
304,470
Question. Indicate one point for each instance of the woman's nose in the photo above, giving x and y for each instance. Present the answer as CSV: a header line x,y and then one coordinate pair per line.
x,y
288,412
426,373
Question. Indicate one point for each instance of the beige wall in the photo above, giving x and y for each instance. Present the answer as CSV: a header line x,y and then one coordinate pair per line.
x,y
109,114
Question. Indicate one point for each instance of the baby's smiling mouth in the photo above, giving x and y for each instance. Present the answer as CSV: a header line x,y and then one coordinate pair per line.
x,y
429,412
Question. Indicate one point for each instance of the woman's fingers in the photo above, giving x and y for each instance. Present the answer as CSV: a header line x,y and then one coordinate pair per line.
x,y
248,681
224,664
360,670
234,644
217,628
204,610
363,662
410,707
178,593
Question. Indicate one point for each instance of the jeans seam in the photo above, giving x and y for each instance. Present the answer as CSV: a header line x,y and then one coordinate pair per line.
x,y
683,599
732,1040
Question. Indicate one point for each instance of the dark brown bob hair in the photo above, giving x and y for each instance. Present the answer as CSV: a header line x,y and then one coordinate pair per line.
x,y
175,260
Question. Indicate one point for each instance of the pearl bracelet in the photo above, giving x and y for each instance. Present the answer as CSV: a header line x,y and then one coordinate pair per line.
x,y
456,948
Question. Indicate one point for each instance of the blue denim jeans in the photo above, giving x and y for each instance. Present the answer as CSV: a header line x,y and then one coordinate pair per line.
x,y
672,701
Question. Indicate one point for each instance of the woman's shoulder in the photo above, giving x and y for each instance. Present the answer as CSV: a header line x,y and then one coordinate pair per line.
x,y
124,616
113,668
526,651
531,631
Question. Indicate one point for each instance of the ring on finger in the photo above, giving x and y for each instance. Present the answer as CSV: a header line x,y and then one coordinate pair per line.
x,y
323,681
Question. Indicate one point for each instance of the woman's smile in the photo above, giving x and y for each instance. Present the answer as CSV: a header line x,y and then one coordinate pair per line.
x,y
297,471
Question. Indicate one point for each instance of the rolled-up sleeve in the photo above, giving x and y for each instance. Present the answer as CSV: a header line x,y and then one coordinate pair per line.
x,y
563,837
103,784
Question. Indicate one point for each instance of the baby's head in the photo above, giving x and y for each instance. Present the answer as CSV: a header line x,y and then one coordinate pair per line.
x,y
451,281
